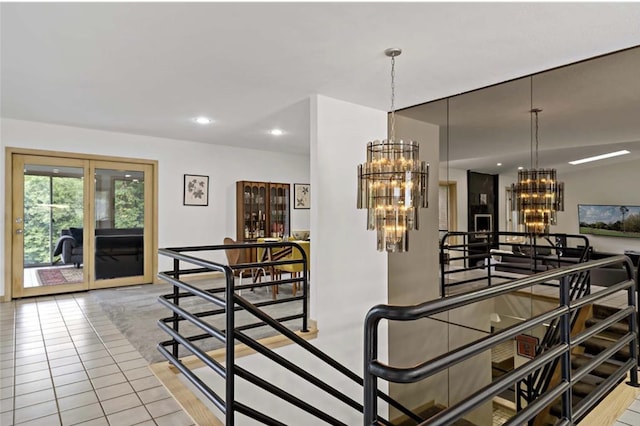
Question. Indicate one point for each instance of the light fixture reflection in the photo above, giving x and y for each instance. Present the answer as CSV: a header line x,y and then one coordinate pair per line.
x,y
538,194
599,157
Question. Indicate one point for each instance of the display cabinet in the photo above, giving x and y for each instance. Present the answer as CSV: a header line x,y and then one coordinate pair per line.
x,y
262,210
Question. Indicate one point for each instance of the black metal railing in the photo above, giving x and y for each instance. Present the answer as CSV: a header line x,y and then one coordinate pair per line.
x,y
533,386
232,333
463,252
560,352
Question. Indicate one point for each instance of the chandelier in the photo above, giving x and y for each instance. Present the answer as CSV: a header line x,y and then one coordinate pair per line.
x,y
393,183
537,196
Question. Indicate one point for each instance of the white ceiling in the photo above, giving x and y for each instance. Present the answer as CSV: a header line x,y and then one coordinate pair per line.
x,y
148,68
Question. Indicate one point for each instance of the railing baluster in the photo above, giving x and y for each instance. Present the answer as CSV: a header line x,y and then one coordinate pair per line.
x,y
176,301
230,348
565,338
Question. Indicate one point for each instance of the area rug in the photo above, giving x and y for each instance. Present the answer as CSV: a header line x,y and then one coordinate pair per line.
x,y
57,276
135,312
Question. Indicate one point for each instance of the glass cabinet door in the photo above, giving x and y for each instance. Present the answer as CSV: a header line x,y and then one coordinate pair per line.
x,y
279,210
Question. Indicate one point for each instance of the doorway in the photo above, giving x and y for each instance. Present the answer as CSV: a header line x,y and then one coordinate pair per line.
x,y
79,223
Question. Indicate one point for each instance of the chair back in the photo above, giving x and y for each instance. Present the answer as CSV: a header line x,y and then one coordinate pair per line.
x,y
233,255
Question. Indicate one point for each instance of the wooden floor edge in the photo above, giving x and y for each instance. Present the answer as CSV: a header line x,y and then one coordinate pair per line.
x,y
612,406
194,407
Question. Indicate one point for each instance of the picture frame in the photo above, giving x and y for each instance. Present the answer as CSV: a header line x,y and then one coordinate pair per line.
x,y
609,220
196,190
526,345
301,196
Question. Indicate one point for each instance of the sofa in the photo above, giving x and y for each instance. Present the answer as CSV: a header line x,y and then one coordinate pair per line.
x,y
519,259
118,252
69,247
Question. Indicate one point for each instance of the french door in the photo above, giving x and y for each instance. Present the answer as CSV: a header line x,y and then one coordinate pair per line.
x,y
79,224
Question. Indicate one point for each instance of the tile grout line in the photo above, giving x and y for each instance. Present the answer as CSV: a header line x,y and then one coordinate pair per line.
x,y
15,337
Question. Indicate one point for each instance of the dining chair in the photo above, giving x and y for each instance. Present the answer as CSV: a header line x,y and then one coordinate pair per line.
x,y
236,256
295,269
266,255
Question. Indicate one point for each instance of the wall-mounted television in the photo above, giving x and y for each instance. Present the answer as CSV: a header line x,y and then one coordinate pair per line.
x,y
609,220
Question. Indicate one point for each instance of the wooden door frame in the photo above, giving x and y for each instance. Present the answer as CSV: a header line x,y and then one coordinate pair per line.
x,y
8,202
452,186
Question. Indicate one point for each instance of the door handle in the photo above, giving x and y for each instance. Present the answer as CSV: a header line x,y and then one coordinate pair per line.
x,y
19,231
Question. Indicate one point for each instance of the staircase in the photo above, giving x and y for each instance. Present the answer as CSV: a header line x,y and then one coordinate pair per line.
x,y
429,412
586,352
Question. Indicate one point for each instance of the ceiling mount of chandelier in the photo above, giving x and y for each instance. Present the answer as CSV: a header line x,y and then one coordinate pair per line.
x,y
537,196
393,183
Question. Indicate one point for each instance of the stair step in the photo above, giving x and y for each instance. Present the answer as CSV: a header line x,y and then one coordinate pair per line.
x,y
616,329
556,409
595,345
603,370
601,311
583,389
430,412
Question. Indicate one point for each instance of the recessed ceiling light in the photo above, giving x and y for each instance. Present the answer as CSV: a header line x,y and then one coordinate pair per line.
x,y
600,157
520,167
203,120
276,132
499,164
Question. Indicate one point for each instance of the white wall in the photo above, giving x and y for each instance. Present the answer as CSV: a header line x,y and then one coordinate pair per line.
x,y
348,275
178,224
600,184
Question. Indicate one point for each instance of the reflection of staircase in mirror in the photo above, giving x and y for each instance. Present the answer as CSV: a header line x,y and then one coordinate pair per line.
x,y
583,354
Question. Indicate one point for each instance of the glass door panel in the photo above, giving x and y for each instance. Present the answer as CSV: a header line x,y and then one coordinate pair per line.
x,y
48,225
121,211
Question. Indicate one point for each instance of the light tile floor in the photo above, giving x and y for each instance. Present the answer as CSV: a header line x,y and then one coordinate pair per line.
x,y
62,362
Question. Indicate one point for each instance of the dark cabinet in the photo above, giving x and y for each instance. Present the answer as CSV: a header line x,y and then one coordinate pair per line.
x,y
262,210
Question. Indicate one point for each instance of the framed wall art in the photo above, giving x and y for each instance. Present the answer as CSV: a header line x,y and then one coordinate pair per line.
x,y
196,190
301,196
609,220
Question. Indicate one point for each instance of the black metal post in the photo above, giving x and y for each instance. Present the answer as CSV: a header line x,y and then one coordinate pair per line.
x,y
370,381
565,338
176,301
230,347
633,327
489,243
305,291
442,268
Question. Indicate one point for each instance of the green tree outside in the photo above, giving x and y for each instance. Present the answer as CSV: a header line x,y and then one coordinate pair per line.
x,y
54,203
